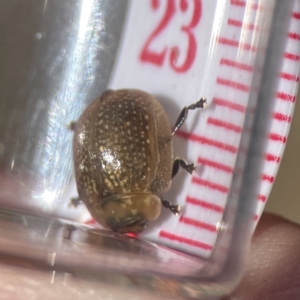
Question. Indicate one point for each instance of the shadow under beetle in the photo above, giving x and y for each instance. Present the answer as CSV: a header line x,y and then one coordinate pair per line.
x,y
123,157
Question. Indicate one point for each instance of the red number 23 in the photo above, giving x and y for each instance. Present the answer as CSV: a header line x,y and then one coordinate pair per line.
x,y
158,58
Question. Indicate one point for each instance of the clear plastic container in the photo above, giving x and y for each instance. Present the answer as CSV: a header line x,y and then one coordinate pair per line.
x,y
58,57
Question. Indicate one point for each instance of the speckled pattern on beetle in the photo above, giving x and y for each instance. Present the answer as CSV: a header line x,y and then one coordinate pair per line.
x,y
123,157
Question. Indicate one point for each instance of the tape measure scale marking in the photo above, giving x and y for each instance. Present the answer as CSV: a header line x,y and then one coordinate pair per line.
x,y
284,107
221,145
197,229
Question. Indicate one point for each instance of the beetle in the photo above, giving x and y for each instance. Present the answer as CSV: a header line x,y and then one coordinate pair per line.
x,y
123,158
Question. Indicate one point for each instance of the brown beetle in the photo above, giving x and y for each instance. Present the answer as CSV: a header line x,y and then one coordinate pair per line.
x,y
123,158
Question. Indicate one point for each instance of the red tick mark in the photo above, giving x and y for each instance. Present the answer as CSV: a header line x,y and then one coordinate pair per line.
x,y
184,240
205,204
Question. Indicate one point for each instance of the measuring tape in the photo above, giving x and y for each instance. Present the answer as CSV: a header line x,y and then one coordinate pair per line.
x,y
179,51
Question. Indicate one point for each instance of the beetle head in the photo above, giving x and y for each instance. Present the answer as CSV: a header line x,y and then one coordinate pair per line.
x,y
130,212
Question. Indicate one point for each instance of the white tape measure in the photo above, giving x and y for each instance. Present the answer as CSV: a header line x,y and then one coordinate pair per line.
x,y
181,50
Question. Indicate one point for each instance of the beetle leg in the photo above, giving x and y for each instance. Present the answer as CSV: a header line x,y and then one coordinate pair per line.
x,y
74,202
175,209
183,114
179,162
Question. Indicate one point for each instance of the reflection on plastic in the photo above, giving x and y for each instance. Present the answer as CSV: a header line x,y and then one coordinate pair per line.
x,y
65,59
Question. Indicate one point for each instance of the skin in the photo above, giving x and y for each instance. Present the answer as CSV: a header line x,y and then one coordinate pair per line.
x,y
273,271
